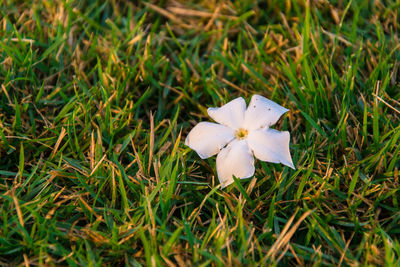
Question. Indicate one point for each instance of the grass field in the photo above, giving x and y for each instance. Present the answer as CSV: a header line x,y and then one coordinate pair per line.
x,y
97,98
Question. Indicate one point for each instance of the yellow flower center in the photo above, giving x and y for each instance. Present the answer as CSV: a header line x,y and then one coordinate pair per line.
x,y
241,134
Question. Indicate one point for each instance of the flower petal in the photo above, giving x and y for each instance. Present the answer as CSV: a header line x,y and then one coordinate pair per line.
x,y
271,145
235,159
262,112
230,114
207,138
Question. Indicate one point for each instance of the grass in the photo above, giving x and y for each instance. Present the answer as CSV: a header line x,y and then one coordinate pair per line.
x,y
98,96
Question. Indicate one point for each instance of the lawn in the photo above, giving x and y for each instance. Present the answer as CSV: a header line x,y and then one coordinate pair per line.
x,y
97,98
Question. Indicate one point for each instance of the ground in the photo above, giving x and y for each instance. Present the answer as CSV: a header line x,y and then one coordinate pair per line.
x,y
97,98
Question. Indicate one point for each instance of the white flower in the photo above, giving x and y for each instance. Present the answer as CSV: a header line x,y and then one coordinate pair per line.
x,y
241,134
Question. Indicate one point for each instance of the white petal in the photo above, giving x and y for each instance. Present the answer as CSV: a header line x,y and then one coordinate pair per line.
x,y
235,159
230,114
271,145
207,138
262,112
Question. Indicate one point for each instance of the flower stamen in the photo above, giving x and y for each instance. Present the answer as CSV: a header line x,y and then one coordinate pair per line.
x,y
241,134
